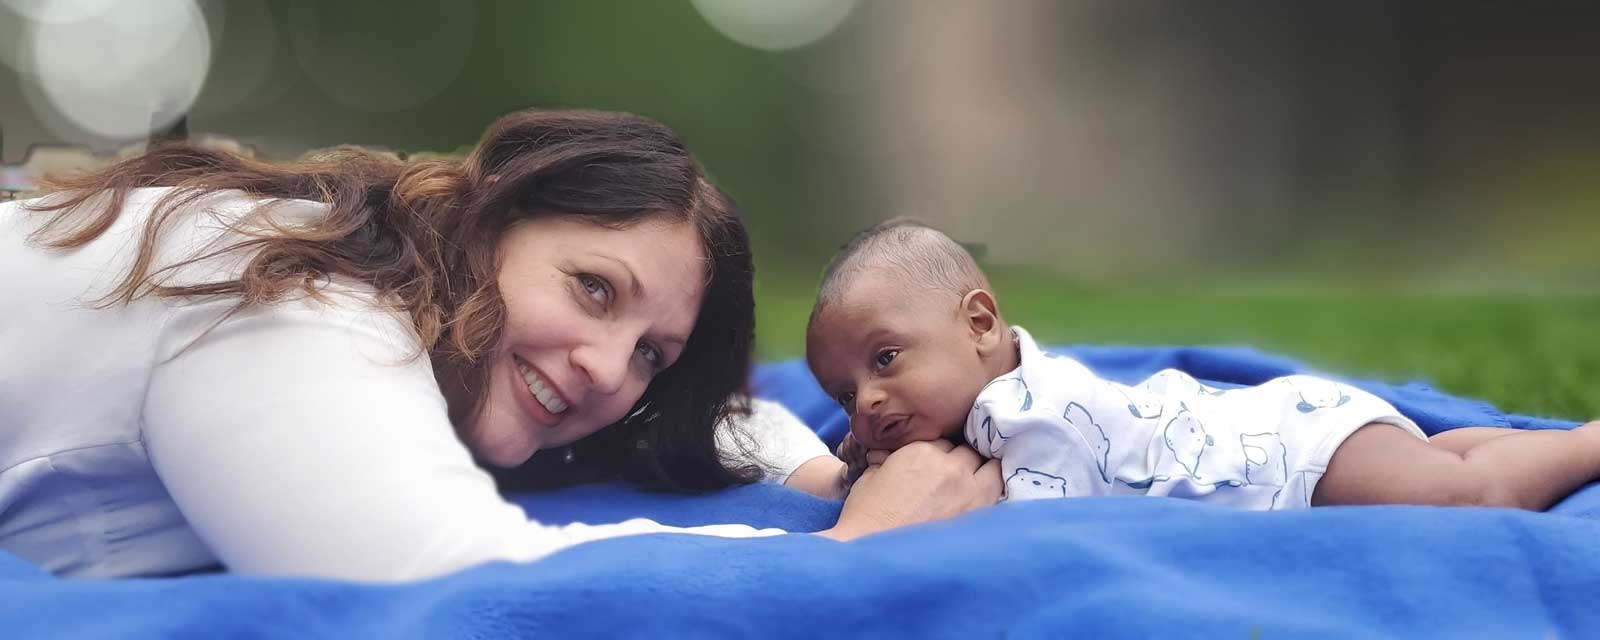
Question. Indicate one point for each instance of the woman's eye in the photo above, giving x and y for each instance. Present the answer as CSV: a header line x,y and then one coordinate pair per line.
x,y
848,401
595,287
885,357
651,354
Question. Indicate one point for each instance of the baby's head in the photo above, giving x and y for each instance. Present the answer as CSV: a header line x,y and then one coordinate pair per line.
x,y
905,333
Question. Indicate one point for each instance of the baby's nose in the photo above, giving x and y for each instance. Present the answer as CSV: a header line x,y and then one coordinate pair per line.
x,y
869,401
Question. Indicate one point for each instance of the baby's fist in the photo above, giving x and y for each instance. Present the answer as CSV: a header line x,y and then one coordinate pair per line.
x,y
854,456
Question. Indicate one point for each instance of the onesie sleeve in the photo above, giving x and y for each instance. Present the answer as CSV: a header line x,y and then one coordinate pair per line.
x,y
1039,438
1045,456
771,438
310,438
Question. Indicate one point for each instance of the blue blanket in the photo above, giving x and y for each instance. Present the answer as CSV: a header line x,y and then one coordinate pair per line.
x,y
1137,567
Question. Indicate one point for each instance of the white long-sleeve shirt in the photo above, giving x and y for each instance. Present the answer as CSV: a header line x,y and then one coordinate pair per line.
x,y
300,438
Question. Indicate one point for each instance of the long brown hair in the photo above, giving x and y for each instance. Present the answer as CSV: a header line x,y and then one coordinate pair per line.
x,y
424,235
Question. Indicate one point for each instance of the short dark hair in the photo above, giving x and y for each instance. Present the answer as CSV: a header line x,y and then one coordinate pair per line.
x,y
921,256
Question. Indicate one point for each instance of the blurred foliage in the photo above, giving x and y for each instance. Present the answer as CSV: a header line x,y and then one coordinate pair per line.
x,y
754,123
658,59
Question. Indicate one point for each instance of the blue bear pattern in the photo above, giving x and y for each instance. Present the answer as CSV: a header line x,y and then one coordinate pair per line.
x,y
1319,394
1145,483
1026,395
1093,433
1175,382
1187,439
1144,408
1027,484
991,432
1266,460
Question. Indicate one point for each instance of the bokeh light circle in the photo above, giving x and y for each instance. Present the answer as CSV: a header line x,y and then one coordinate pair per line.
x,y
57,11
775,25
131,69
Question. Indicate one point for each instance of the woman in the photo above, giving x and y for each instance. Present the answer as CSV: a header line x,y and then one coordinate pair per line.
x,y
292,369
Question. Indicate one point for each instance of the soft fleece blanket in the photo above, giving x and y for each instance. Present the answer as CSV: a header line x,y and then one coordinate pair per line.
x,y
1104,567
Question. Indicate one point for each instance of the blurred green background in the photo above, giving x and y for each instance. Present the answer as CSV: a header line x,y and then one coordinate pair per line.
x,y
1402,192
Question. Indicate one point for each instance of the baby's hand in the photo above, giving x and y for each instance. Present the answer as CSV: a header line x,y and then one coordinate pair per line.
x,y
855,458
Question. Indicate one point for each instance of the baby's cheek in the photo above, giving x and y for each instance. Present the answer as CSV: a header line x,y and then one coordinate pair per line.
x,y
954,412
858,428
940,426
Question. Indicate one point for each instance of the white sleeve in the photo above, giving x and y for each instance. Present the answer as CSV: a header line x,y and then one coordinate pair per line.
x,y
771,438
1043,452
298,440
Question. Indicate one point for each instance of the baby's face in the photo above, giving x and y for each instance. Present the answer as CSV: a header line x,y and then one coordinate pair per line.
x,y
902,362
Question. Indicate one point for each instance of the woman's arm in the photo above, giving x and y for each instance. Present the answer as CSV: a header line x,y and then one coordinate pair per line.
x,y
823,476
298,440
831,477
787,451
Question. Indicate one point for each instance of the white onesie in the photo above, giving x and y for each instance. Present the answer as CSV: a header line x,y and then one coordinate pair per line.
x,y
1060,431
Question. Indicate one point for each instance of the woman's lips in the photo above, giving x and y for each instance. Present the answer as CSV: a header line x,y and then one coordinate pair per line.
x,y
530,405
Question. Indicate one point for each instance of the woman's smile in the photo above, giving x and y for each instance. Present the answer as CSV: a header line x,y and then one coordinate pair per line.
x,y
543,390
536,394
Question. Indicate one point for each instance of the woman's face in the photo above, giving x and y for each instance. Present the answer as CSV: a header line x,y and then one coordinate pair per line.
x,y
592,314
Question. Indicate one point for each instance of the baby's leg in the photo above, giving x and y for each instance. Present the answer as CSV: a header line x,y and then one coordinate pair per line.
x,y
1462,439
1383,464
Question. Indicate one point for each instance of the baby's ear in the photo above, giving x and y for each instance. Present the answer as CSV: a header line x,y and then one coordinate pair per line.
x,y
982,315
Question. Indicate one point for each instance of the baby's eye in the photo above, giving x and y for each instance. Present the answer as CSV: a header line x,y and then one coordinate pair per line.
x,y
885,357
848,401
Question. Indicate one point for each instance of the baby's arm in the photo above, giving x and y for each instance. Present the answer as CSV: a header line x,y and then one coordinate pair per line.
x,y
1034,431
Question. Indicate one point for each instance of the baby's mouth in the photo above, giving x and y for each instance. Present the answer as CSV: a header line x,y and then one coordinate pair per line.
x,y
892,428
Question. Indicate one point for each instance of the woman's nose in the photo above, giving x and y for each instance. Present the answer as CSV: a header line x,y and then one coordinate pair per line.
x,y
605,363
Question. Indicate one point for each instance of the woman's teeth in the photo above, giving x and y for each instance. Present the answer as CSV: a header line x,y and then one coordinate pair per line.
x,y
547,398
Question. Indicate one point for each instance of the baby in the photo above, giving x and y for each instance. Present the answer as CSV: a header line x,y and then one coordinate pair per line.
x,y
908,338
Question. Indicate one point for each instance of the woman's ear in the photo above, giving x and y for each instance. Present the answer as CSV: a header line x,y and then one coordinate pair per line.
x,y
982,316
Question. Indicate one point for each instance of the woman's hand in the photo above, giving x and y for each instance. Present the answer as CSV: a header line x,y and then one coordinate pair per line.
x,y
920,482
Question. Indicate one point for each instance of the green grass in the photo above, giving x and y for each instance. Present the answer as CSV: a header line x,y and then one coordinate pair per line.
x,y
1526,353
